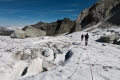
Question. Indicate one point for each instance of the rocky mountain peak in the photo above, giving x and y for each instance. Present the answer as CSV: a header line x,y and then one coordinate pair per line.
x,y
100,11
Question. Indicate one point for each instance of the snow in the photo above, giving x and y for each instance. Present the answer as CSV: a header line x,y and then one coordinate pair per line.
x,y
12,72
35,67
93,27
93,61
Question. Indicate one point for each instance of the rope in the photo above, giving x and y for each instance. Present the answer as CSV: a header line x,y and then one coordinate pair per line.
x,y
77,66
51,76
90,65
69,78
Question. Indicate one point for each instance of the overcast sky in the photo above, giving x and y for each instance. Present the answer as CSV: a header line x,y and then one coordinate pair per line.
x,y
27,12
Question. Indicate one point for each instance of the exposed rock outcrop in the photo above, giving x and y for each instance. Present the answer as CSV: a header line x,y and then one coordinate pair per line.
x,y
114,19
55,28
27,31
33,32
99,12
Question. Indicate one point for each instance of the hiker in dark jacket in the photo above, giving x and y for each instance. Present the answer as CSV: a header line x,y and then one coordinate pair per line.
x,y
82,36
86,39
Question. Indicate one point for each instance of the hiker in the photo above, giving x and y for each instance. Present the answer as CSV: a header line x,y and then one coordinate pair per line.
x,y
86,39
82,36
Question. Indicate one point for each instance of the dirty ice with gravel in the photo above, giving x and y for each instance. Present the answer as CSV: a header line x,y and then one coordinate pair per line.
x,y
74,60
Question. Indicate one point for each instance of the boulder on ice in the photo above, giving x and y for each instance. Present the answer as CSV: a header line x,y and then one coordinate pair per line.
x,y
18,33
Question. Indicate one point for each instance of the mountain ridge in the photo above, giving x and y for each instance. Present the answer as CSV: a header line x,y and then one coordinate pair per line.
x,y
55,28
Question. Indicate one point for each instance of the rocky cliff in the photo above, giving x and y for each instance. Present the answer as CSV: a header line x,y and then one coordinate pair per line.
x,y
100,12
113,20
55,28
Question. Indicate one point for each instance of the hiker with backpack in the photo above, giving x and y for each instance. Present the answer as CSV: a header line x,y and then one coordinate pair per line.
x,y
86,39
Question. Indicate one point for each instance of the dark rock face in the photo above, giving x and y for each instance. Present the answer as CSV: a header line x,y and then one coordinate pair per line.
x,y
114,20
100,11
55,28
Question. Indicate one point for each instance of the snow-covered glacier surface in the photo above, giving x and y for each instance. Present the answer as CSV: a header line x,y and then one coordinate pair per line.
x,y
62,57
